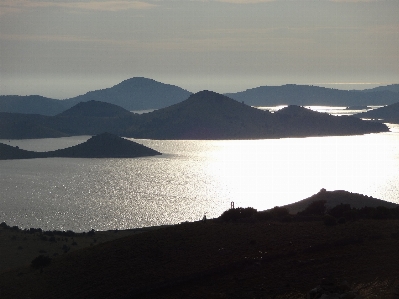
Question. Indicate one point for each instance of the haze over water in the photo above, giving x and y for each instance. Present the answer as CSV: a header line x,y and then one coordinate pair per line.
x,y
191,178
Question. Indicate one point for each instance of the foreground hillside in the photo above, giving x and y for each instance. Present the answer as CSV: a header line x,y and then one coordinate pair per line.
x,y
269,259
132,94
242,254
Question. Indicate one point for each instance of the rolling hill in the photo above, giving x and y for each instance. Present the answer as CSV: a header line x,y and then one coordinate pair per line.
x,y
305,95
387,114
132,94
32,104
209,115
140,93
136,94
392,87
204,115
104,145
95,109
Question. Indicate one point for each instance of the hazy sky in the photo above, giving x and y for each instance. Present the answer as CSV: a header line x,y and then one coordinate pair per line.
x,y
65,48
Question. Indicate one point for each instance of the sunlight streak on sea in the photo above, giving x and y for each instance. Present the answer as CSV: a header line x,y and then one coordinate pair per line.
x,y
192,178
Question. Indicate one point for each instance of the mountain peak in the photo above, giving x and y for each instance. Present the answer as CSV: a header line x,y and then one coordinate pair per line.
x,y
137,93
137,81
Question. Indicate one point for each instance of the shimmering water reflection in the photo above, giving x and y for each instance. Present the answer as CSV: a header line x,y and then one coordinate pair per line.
x,y
191,178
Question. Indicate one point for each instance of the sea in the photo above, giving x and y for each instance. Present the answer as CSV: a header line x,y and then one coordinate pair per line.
x,y
191,179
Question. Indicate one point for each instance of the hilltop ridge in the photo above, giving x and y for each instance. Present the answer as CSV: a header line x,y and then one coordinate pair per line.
x,y
139,93
307,95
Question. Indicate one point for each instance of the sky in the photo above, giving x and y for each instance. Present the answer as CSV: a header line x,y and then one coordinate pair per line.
x,y
62,49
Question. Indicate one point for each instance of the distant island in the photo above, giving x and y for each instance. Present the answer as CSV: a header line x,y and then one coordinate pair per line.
x,y
140,93
132,94
387,114
209,115
105,145
306,95
205,115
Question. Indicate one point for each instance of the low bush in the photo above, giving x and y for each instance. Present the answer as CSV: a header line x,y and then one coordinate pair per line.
x,y
317,207
329,220
238,213
339,210
40,261
279,212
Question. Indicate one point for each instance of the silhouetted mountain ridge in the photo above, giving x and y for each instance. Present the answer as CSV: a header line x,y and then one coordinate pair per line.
x,y
209,115
136,94
32,104
392,87
204,115
387,114
305,95
140,93
95,109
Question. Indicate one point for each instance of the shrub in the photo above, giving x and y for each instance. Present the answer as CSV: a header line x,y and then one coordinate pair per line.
x,y
351,215
279,212
35,230
339,210
40,261
264,215
329,220
317,207
238,213
382,213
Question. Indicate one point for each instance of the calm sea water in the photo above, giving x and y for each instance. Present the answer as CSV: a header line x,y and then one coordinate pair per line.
x,y
190,179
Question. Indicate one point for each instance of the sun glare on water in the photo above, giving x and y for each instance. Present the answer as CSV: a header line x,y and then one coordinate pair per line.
x,y
267,173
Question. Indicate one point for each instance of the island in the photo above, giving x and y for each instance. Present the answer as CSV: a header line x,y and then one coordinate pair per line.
x,y
386,114
104,145
206,115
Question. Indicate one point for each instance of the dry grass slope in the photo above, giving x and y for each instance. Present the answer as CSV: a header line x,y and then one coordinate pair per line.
x,y
263,259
